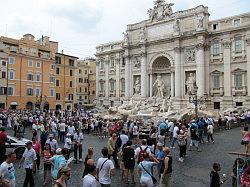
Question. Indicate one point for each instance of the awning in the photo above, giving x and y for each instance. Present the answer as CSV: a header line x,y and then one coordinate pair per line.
x,y
13,103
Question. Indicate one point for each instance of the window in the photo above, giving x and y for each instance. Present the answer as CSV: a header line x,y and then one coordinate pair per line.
x,y
30,77
80,97
237,22
93,92
112,62
70,84
101,65
52,79
86,97
123,85
112,85
80,89
3,90
216,48
70,97
101,86
58,60
80,71
239,103
11,74
11,60
86,72
57,82
216,105
30,63
57,71
216,81
38,77
38,64
52,92
86,90
71,72
238,81
3,74
37,91
86,80
29,91
238,45
123,62
10,91
58,96
53,66
215,26
80,80
4,63
71,62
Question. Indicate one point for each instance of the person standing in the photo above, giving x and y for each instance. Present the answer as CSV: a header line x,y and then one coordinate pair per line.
x,y
47,154
3,140
89,180
145,167
210,132
112,151
175,135
78,138
124,138
62,129
166,169
129,162
105,169
53,143
215,180
37,147
63,176
67,145
246,139
7,171
29,163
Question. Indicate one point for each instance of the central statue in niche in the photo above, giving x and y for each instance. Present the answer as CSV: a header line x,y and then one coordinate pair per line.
x,y
160,87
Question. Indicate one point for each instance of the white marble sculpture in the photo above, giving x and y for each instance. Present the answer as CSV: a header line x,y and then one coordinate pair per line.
x,y
137,86
190,83
160,86
177,26
200,20
142,35
125,34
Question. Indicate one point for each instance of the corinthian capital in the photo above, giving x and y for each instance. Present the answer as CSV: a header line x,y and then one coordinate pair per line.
x,y
227,44
200,46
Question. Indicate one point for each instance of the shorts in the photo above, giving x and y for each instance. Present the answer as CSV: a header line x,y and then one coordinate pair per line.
x,y
47,167
194,142
146,181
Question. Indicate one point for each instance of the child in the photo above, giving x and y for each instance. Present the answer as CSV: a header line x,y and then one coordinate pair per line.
x,y
215,177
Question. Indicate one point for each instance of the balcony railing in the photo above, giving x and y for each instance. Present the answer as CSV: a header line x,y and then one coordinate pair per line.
x,y
240,90
101,94
217,91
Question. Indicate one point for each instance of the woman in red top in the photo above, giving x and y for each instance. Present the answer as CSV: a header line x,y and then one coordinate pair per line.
x,y
246,139
47,154
37,147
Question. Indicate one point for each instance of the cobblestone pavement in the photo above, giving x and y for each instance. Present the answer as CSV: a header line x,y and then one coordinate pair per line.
x,y
194,172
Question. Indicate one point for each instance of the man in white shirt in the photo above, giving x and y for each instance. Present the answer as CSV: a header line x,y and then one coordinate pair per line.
x,y
7,171
105,168
171,130
53,127
89,180
62,129
52,142
68,144
71,131
175,136
124,138
29,163
78,138
142,147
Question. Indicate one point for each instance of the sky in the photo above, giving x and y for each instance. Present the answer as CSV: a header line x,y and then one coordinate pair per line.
x,y
80,25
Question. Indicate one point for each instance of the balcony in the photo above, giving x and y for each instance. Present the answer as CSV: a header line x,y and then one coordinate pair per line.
x,y
122,93
217,91
111,93
239,91
101,94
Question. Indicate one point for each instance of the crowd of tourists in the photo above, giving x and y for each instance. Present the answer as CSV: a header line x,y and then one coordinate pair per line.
x,y
57,141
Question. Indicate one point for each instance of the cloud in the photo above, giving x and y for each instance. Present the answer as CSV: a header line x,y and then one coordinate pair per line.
x,y
80,25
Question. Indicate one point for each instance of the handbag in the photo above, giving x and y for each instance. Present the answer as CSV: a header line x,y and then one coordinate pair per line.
x,y
153,178
181,142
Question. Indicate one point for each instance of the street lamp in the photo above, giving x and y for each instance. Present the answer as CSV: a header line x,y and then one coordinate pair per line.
x,y
193,98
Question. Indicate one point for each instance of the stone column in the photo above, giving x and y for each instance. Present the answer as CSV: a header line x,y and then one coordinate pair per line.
x,y
172,84
127,77
150,85
200,69
106,86
144,75
97,79
248,62
117,76
177,72
227,68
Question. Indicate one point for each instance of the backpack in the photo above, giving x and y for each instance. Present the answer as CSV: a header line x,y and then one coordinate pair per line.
x,y
118,142
141,154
